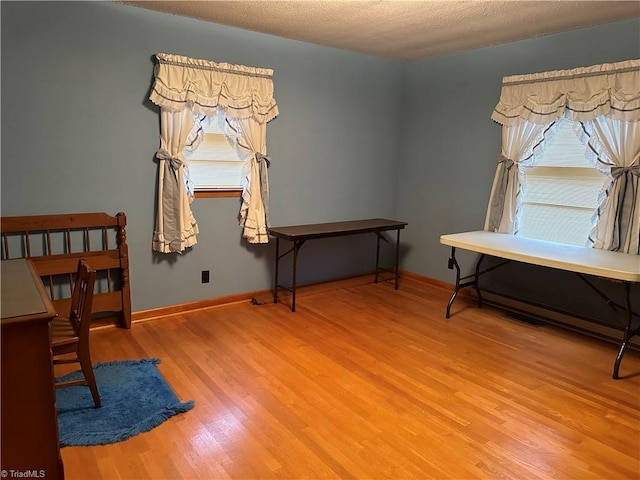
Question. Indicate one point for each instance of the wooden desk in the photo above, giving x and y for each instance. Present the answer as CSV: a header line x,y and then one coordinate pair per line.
x,y
299,234
29,432
622,267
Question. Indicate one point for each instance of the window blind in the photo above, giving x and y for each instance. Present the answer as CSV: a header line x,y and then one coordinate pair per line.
x,y
216,164
560,192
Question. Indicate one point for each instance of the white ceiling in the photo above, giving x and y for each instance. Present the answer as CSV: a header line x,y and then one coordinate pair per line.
x,y
403,30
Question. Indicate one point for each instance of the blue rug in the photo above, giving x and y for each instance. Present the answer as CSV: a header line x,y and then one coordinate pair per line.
x,y
135,398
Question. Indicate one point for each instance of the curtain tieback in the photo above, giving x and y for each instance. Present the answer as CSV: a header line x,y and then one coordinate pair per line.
x,y
260,157
176,163
617,172
508,163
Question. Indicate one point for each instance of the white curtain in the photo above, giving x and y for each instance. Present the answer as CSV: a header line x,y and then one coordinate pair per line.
x,y
601,97
176,228
251,137
614,149
520,144
191,88
611,89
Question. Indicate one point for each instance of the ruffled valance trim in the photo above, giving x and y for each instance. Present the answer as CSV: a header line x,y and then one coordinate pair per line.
x,y
203,86
188,238
582,93
595,152
532,152
254,232
536,147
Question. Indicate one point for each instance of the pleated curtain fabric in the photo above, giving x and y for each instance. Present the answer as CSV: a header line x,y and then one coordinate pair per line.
x,y
605,99
186,89
614,149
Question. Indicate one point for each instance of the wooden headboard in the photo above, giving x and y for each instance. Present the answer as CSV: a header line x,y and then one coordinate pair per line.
x,y
55,243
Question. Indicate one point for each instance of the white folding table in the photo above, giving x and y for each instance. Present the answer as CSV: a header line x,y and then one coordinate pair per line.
x,y
622,267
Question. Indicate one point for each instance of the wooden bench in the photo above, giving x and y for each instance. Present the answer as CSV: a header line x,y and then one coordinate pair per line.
x,y
55,243
620,267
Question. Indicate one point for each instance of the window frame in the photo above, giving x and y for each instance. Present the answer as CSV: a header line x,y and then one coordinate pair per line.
x,y
217,193
581,170
212,192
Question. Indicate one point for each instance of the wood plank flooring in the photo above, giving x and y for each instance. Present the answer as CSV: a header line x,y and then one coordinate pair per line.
x,y
366,382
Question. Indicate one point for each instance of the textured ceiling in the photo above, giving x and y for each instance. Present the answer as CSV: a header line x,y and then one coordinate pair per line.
x,y
403,30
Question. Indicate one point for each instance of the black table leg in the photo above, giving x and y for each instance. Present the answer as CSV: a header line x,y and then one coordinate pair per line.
x,y
397,258
453,263
379,235
627,331
275,284
296,247
476,284
297,244
396,269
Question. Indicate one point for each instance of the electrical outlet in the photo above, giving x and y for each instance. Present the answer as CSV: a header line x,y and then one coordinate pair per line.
x,y
205,276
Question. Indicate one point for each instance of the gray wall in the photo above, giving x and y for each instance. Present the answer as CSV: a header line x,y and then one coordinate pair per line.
x,y
357,137
79,135
450,146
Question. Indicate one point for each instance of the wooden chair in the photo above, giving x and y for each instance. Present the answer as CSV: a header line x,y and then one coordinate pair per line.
x,y
70,335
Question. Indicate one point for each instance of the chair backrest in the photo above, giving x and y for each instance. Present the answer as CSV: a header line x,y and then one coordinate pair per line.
x,y
82,299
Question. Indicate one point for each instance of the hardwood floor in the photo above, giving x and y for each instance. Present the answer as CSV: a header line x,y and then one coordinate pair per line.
x,y
368,382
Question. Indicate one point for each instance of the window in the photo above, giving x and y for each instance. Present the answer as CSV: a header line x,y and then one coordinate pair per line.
x,y
560,192
216,166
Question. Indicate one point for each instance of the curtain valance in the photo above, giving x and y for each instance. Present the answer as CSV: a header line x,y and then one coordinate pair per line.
x,y
203,86
611,89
